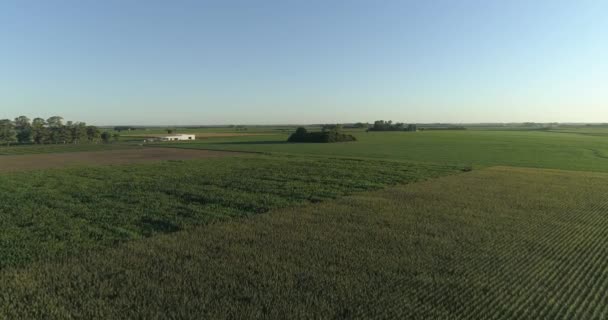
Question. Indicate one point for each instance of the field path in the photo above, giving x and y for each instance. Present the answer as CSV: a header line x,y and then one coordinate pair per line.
x,y
139,155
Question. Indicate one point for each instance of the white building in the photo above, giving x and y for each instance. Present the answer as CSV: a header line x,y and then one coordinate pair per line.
x,y
178,137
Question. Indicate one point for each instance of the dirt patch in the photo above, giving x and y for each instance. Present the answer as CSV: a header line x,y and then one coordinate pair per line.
x,y
61,160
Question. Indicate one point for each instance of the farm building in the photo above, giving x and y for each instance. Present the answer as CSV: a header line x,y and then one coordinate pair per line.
x,y
178,137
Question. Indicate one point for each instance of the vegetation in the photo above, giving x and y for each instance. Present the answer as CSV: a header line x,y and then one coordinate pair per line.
x,y
381,125
107,137
50,131
491,244
124,128
61,212
326,136
539,149
8,134
186,239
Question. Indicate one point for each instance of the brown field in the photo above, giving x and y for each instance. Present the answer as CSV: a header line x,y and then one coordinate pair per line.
x,y
60,160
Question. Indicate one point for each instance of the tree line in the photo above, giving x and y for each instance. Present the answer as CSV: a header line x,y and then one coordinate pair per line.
x,y
381,125
326,136
50,131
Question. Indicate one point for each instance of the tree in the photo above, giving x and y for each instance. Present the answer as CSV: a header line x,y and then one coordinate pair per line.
x,y
24,129
93,134
301,131
66,133
170,131
40,133
79,132
116,136
8,134
55,126
333,135
55,122
381,125
106,136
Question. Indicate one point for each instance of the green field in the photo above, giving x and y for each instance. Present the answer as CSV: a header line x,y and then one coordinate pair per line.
x,y
589,131
492,244
394,225
61,212
536,149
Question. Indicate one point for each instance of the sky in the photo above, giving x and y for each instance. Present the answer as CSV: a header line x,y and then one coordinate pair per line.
x,y
151,62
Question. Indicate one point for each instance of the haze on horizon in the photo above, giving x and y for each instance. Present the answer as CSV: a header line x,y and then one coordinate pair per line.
x,y
271,62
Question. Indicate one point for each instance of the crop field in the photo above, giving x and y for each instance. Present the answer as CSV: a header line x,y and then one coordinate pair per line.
x,y
109,157
53,213
590,131
536,149
498,243
395,225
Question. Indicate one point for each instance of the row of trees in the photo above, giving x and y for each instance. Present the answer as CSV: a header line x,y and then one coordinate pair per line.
x,y
50,131
381,125
327,135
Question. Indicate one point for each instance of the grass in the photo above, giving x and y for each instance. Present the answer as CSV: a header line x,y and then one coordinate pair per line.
x,y
59,213
537,149
499,243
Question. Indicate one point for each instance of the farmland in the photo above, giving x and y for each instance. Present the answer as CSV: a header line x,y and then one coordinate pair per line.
x,y
56,212
539,149
395,225
57,148
498,243
339,160
109,157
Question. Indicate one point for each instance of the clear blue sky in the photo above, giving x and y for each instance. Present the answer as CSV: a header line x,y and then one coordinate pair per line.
x,y
218,62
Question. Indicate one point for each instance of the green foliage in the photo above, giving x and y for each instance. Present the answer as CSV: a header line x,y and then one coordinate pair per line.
x,y
40,133
53,131
61,212
93,134
24,129
326,136
491,244
381,125
8,134
106,136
